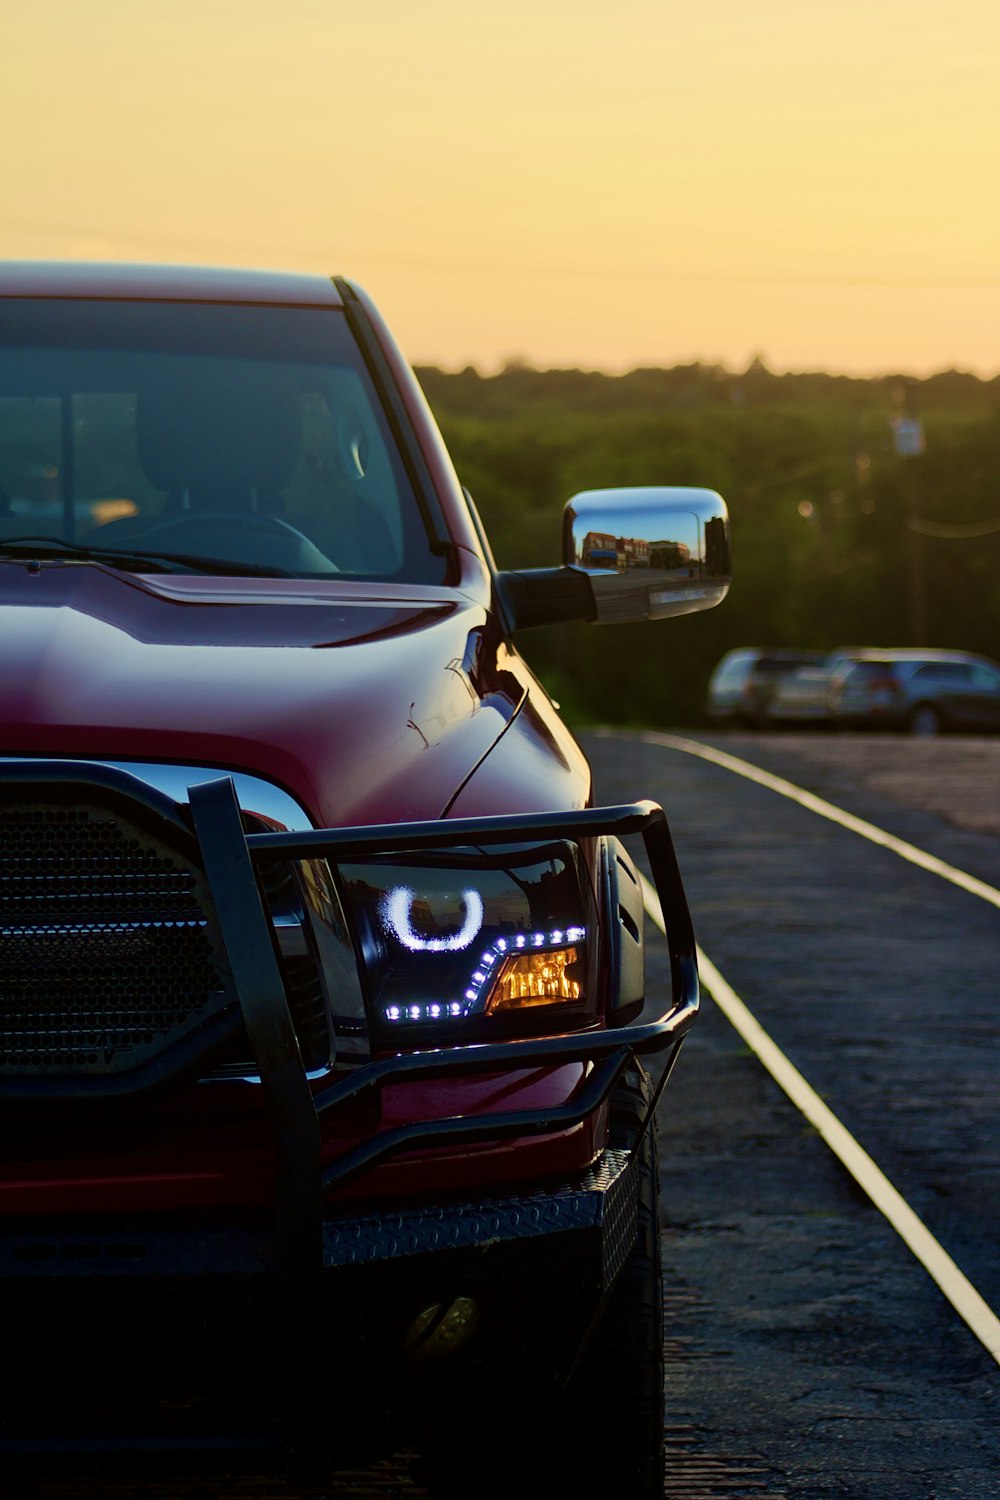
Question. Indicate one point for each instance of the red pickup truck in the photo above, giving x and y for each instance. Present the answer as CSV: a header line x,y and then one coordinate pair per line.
x,y
327,1065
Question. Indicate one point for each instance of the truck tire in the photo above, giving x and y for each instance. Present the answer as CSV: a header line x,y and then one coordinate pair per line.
x,y
615,1398
603,1435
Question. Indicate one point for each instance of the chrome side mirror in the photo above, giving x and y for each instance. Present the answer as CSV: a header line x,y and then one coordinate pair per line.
x,y
649,553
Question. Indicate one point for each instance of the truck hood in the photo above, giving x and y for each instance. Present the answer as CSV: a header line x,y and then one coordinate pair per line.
x,y
367,704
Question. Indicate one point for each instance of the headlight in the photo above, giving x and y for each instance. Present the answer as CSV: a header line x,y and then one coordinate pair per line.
x,y
471,944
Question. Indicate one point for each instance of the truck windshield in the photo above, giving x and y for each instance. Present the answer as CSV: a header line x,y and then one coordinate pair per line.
x,y
248,435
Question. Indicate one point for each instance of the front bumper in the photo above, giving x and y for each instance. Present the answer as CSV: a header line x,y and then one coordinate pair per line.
x,y
202,1345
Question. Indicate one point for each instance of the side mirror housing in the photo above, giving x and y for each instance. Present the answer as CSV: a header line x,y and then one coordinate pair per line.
x,y
629,554
649,553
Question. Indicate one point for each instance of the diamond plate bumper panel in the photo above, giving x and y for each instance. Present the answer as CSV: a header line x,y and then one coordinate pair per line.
x,y
602,1202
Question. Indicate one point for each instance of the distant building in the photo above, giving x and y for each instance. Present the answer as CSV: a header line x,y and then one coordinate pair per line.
x,y
600,550
636,553
603,550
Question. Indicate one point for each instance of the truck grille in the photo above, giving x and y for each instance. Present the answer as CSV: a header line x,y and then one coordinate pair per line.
x,y
106,953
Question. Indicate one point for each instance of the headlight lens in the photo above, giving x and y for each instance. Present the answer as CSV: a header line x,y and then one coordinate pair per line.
x,y
471,943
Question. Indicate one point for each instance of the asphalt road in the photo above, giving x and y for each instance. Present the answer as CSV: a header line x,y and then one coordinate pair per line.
x,y
809,1355
808,1343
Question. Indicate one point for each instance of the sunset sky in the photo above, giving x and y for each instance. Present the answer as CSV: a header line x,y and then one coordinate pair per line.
x,y
606,185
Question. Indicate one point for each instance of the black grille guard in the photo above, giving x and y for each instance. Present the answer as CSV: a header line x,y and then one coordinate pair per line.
x,y
229,856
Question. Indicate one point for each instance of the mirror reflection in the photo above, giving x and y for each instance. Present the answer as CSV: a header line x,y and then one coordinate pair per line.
x,y
650,553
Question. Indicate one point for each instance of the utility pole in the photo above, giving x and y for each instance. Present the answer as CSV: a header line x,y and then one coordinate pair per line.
x,y
908,440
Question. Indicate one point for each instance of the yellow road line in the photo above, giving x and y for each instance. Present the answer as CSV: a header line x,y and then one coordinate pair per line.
x,y
826,809
956,1287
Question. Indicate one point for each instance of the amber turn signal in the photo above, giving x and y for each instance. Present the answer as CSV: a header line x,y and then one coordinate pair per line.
x,y
528,979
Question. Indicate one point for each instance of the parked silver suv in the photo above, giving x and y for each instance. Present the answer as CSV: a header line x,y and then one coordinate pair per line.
x,y
922,691
742,686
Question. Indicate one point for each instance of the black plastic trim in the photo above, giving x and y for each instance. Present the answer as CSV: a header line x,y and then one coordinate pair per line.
x,y
546,596
622,896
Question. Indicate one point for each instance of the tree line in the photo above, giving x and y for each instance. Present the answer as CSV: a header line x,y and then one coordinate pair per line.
x,y
838,539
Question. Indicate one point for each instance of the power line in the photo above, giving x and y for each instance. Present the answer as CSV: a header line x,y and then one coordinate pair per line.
x,y
435,265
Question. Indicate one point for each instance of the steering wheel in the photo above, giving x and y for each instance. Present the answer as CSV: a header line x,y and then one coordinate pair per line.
x,y
244,519
235,523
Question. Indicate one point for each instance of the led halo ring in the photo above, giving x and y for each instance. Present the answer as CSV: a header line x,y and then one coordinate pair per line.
x,y
396,908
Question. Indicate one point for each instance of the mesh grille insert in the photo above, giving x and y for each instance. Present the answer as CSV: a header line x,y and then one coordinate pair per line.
x,y
106,953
